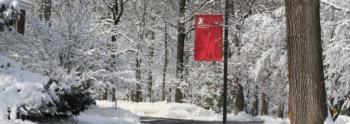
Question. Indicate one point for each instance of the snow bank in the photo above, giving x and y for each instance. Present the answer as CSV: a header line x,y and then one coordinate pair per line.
x,y
342,120
271,120
165,110
19,87
242,116
98,115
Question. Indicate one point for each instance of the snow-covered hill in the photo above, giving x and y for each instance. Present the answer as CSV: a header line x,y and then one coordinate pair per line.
x,y
19,87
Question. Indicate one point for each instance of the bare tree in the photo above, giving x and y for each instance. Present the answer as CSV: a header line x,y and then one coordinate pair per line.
x,y
116,8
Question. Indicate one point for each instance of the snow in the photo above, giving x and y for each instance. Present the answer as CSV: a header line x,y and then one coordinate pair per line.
x,y
18,87
107,115
165,110
15,122
242,116
271,120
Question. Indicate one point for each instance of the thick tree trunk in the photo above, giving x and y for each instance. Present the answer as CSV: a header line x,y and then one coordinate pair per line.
x,y
307,95
264,105
165,59
180,49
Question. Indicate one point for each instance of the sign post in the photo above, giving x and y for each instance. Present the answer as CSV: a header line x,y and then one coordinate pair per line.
x,y
224,117
208,44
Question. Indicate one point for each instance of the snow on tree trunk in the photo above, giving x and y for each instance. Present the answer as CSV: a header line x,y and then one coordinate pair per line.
x,y
180,50
165,60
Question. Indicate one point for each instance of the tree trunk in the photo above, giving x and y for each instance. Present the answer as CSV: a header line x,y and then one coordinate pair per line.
x,y
180,49
255,110
239,99
113,94
307,95
165,59
105,94
150,71
264,105
280,111
46,10
138,94
21,22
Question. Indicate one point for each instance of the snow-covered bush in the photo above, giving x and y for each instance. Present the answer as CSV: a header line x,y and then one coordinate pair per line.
x,y
19,87
31,96
65,103
8,14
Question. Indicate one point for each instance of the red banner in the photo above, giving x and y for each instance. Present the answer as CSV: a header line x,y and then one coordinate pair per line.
x,y
208,37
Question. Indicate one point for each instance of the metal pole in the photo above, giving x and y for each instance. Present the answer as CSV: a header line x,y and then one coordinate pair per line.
x,y
224,117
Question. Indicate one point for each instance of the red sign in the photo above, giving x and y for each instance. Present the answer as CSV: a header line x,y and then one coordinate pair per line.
x,y
208,37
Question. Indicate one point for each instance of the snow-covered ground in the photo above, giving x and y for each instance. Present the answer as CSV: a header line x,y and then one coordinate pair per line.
x,y
175,111
193,112
107,115
164,110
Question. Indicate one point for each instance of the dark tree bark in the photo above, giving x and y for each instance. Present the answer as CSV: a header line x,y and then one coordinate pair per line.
x,y
117,9
280,111
46,10
138,59
264,105
113,94
239,96
21,22
180,49
105,94
307,94
150,71
138,92
255,109
165,59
